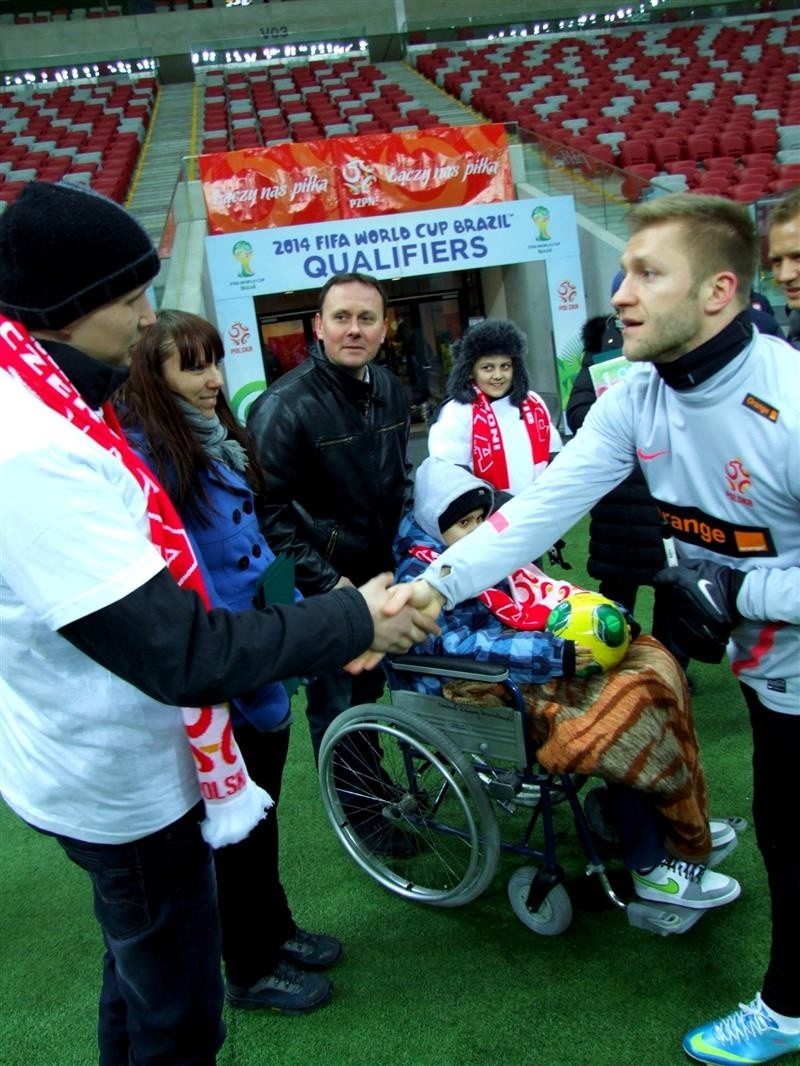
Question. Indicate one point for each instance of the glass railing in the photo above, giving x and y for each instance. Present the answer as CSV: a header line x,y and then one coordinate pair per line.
x,y
604,193
601,190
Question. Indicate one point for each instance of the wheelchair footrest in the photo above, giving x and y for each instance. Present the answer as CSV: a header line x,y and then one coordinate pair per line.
x,y
665,919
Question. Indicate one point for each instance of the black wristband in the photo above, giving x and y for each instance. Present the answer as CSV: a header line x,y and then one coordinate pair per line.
x,y
568,659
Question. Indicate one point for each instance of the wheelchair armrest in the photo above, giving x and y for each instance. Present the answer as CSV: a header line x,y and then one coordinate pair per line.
x,y
449,666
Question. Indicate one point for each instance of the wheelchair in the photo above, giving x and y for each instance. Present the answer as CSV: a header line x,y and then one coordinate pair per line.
x,y
413,790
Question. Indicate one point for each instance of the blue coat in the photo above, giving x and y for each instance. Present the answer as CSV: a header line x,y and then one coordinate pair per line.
x,y
233,555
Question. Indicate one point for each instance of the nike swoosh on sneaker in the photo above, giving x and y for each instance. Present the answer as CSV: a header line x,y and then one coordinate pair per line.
x,y
671,888
645,456
720,1054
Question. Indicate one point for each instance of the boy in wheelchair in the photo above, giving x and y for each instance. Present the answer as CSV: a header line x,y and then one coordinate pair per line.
x,y
631,727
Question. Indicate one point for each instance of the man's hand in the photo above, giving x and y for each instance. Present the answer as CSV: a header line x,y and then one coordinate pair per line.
x,y
701,602
417,593
407,623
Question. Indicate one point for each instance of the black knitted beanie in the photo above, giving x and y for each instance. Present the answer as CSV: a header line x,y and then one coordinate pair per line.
x,y
470,501
66,251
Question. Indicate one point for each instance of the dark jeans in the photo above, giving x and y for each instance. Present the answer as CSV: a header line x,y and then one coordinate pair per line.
x,y
254,912
330,694
639,825
776,817
156,902
619,591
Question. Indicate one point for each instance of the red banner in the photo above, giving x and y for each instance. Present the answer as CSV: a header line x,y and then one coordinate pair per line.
x,y
449,166
282,185
355,177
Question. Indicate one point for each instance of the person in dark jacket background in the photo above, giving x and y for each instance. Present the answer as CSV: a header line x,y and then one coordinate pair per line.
x,y
626,545
332,438
783,230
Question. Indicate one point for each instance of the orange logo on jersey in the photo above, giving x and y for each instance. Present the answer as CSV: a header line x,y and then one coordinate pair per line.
x,y
761,407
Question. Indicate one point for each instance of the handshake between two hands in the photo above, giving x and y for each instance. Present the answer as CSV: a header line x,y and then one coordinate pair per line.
x,y
702,602
402,615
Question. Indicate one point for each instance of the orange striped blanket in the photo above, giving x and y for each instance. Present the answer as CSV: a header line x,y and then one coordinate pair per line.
x,y
632,726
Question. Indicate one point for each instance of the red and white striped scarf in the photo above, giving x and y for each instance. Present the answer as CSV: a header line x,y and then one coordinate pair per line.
x,y
534,593
234,804
488,455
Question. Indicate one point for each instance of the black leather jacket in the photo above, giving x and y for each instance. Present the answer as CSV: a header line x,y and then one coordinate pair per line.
x,y
334,453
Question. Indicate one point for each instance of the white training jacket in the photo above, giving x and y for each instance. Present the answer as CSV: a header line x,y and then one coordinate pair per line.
x,y
722,461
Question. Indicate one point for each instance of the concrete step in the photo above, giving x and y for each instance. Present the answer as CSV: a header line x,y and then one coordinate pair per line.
x,y
170,141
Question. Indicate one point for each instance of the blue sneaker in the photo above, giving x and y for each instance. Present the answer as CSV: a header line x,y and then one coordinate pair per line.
x,y
749,1035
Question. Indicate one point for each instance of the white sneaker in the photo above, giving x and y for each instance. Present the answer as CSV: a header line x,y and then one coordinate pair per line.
x,y
686,884
722,833
724,840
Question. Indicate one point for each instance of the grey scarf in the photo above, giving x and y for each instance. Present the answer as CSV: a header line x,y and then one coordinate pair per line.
x,y
213,438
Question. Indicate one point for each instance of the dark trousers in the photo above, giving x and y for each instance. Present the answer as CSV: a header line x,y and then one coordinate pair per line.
x,y
776,817
639,825
330,694
156,902
254,912
619,591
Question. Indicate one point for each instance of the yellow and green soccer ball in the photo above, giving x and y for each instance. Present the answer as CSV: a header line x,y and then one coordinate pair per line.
x,y
596,623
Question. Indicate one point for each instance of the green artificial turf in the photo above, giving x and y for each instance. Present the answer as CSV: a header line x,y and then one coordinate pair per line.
x,y
419,986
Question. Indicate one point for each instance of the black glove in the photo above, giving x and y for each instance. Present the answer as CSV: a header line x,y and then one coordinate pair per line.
x,y
555,556
568,659
633,626
701,601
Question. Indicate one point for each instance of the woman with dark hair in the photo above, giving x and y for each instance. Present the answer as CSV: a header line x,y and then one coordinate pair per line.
x,y
175,414
492,423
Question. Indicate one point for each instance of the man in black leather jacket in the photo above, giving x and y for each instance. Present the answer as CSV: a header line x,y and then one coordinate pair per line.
x,y
332,438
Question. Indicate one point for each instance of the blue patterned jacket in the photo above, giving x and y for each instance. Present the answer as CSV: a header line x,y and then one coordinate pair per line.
x,y
470,630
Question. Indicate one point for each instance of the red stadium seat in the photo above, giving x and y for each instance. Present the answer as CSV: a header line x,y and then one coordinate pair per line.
x,y
746,194
632,152
666,150
733,142
763,139
700,146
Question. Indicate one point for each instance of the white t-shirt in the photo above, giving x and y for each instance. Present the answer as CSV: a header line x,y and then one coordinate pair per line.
x,y
82,753
450,438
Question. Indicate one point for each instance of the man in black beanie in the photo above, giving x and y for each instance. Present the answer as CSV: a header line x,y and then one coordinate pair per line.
x,y
105,634
64,254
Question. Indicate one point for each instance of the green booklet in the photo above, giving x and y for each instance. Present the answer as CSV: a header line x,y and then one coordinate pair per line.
x,y
608,373
276,585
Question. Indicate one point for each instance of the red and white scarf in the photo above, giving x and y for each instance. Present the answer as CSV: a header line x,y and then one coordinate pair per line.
x,y
488,455
533,593
234,804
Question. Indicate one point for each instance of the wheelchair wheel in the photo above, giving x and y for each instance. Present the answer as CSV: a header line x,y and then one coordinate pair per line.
x,y
407,806
555,913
